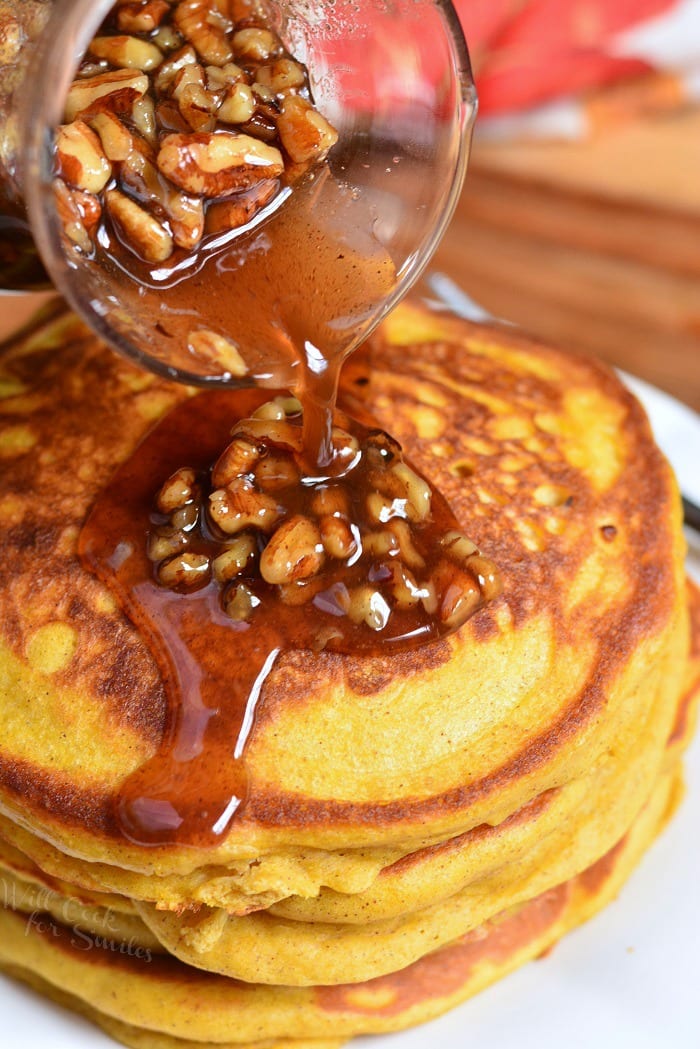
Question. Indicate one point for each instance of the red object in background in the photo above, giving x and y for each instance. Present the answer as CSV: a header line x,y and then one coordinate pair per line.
x,y
526,52
483,21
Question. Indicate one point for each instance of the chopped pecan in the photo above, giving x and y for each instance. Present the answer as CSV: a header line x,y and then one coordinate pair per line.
x,y
306,134
141,17
117,140
80,159
255,43
140,230
185,56
116,90
127,52
71,217
237,211
219,352
143,115
283,75
294,552
206,29
216,165
238,105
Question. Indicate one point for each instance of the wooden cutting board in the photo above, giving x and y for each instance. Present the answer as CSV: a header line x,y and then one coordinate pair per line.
x,y
594,245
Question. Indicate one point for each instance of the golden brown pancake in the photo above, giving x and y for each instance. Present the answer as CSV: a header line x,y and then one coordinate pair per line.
x,y
451,809
159,1003
548,463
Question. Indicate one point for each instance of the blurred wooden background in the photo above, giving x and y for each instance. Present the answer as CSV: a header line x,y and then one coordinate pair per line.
x,y
593,245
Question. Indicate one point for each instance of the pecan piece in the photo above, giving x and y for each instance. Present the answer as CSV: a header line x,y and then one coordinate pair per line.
x,y
141,232
185,572
167,38
185,214
165,77
80,159
238,105
236,559
294,552
140,17
143,115
206,29
458,594
127,52
216,165
306,134
218,351
170,119
117,90
221,77
90,210
178,490
117,140
239,210
256,43
71,217
240,457
283,75
240,506
197,106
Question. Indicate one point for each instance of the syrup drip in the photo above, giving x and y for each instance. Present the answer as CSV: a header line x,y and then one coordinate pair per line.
x,y
295,293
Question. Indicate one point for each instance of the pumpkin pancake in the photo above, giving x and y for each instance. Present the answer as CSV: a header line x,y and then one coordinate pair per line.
x,y
202,940
453,808
156,1002
549,465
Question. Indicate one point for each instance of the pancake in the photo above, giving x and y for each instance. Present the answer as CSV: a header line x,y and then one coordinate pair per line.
x,y
418,824
149,1003
339,955
569,495
267,948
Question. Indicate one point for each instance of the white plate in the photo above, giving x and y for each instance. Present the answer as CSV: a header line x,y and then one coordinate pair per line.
x,y
677,430
628,979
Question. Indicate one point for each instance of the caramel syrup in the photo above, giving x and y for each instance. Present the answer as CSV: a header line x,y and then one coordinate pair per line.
x,y
215,668
297,290
294,291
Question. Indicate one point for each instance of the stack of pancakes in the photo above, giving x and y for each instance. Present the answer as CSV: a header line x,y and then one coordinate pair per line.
x,y
419,824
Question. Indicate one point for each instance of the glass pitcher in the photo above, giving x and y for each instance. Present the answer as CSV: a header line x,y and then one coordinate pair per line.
x,y
392,75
